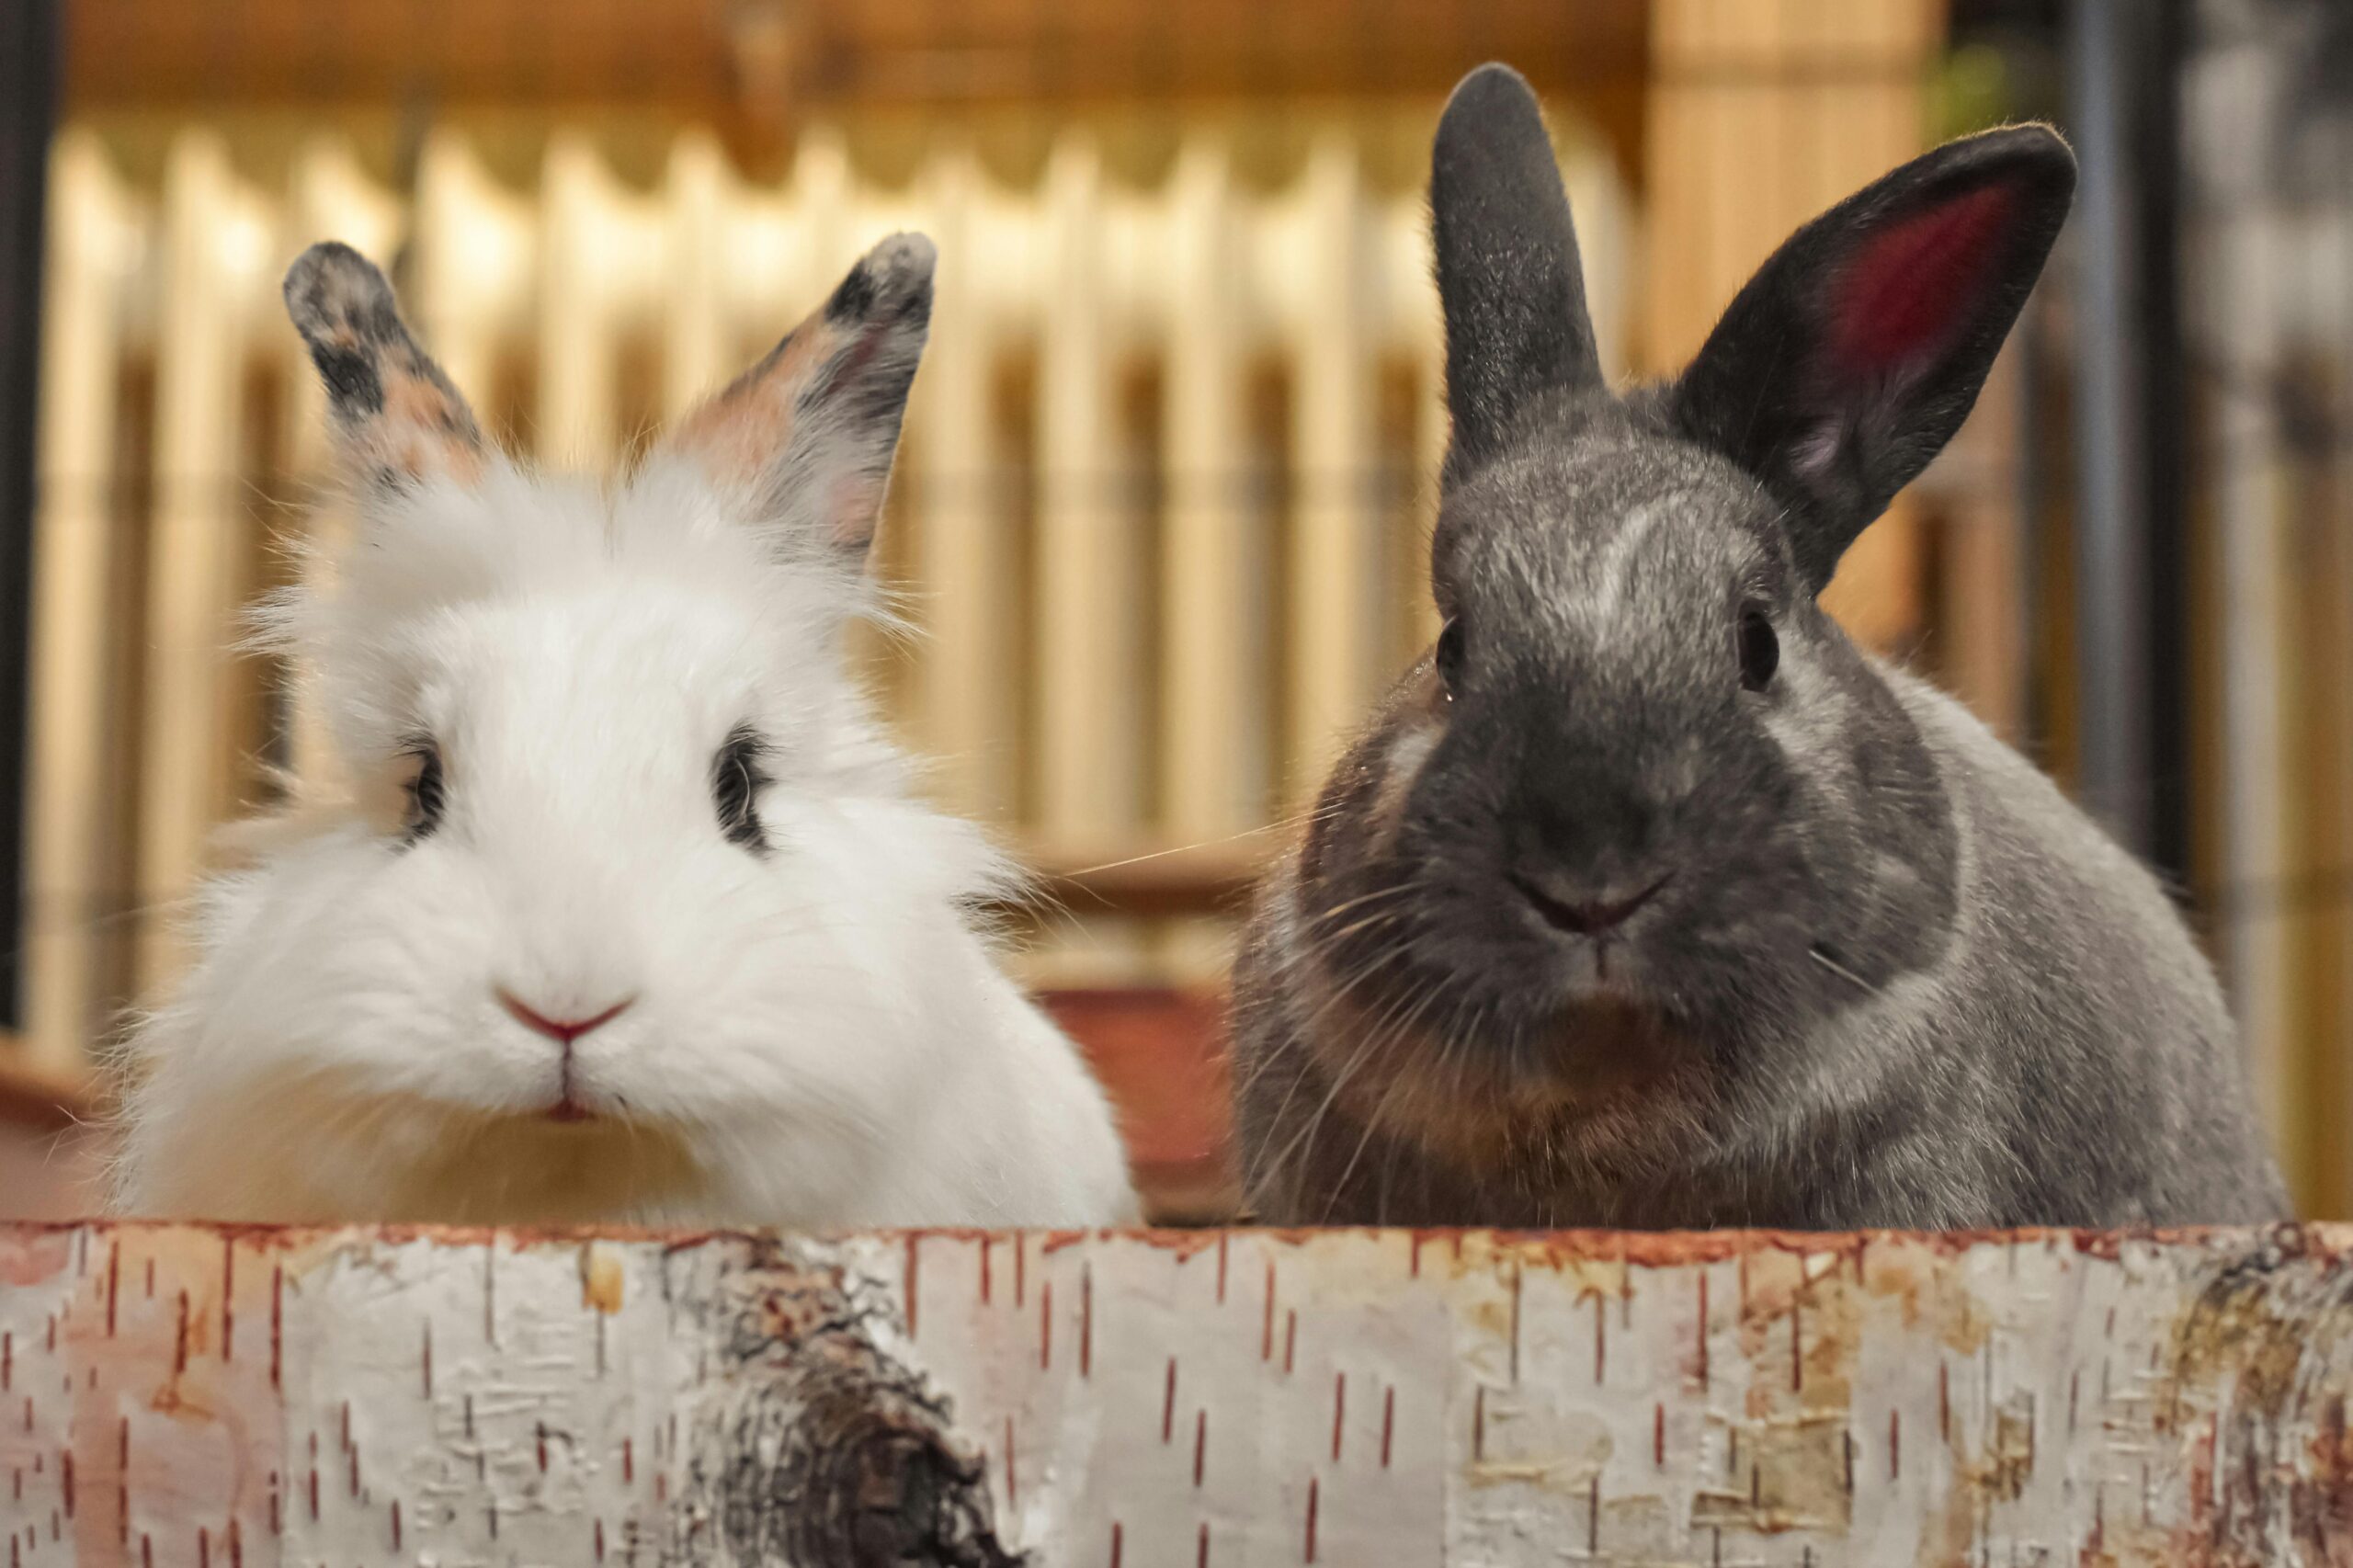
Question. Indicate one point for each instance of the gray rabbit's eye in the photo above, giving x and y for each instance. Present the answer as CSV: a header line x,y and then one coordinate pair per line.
x,y
1760,650
1449,654
428,792
736,780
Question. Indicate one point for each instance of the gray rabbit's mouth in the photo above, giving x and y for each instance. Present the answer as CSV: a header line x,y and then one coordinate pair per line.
x,y
1600,1078
1526,989
1595,916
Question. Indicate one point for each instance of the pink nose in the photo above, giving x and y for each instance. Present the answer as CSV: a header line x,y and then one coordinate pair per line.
x,y
563,1033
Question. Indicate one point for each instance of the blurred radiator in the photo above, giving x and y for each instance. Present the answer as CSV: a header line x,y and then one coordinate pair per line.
x,y
1159,517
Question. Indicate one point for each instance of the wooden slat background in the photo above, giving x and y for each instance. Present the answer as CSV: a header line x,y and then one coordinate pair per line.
x,y
1764,112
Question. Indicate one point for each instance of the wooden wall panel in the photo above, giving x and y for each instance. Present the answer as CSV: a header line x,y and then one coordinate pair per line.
x,y
1762,113
767,55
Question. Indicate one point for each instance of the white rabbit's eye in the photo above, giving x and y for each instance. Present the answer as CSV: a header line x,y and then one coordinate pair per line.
x,y
736,780
428,792
1449,658
1760,650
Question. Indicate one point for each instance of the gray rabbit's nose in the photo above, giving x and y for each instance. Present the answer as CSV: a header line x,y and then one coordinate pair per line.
x,y
1584,917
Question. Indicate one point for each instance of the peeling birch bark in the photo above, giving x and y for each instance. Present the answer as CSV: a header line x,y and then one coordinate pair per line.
x,y
186,1396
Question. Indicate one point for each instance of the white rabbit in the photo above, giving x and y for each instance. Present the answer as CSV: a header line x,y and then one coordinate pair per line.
x,y
630,915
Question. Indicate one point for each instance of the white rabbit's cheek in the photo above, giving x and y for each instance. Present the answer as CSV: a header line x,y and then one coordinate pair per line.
x,y
292,995
835,932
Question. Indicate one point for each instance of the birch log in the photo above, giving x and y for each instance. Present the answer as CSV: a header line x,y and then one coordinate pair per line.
x,y
176,1395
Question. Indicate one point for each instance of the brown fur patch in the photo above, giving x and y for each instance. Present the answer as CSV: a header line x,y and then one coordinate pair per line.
x,y
1622,1083
425,431
740,430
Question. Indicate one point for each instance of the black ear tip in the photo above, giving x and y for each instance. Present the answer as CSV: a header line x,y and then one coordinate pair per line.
x,y
331,284
1486,86
2033,154
2042,136
1493,101
890,282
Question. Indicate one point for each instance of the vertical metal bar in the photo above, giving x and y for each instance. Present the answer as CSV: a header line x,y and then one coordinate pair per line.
x,y
2033,499
2111,555
2163,366
29,67
2243,235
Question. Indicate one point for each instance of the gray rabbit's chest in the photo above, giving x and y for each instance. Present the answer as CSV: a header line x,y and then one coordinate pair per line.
x,y
1829,1159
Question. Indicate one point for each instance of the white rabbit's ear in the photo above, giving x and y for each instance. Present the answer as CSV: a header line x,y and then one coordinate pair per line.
x,y
804,438
397,418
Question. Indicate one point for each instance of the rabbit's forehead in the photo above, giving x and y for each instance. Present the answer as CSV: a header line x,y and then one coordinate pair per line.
x,y
1604,527
626,657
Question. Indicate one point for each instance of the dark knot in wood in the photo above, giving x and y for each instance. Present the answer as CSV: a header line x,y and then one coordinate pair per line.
x,y
835,1455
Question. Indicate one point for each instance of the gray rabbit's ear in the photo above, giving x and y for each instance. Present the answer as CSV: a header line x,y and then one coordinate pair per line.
x,y
804,438
396,417
1854,354
1508,275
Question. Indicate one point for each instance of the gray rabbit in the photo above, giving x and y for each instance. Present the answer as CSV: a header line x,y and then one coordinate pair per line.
x,y
1646,899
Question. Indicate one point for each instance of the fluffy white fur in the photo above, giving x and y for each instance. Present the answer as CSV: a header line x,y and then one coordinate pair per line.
x,y
819,1038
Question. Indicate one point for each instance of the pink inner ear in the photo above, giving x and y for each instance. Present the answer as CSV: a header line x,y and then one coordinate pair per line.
x,y
1909,287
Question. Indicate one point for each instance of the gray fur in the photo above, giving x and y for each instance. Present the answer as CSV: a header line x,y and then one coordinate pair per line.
x,y
1879,971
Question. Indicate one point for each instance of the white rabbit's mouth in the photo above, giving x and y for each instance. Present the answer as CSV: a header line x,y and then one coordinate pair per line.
x,y
578,1104
572,1105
